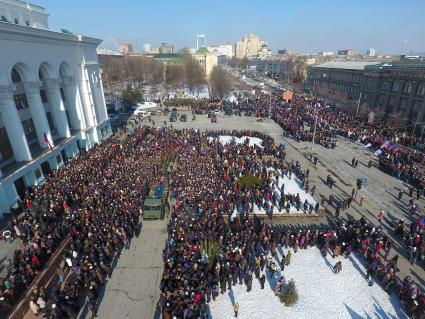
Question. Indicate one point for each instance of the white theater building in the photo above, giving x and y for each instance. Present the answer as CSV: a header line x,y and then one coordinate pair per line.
x,y
50,86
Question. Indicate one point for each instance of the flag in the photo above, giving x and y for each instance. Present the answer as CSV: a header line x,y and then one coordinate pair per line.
x,y
46,140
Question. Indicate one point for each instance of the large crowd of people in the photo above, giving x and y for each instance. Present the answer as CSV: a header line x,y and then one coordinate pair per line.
x,y
214,242
401,150
91,202
209,249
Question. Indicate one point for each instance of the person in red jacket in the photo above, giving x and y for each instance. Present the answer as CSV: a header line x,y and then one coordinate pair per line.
x,y
381,215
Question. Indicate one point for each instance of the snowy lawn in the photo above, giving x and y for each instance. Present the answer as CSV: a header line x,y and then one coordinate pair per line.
x,y
226,139
322,294
292,187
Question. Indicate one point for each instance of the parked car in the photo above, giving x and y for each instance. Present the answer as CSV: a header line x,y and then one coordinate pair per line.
x,y
183,118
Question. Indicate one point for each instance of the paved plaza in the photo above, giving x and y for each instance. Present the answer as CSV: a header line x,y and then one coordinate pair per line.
x,y
380,191
133,290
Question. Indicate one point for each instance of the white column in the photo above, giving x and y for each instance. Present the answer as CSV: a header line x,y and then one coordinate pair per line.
x,y
87,98
57,107
38,113
13,124
74,103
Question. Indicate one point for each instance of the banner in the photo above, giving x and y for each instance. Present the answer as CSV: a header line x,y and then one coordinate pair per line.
x,y
377,153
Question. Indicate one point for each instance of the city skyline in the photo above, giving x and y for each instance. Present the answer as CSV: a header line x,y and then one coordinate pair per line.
x,y
303,27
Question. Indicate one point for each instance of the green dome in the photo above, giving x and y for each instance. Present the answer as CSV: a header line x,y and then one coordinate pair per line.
x,y
203,50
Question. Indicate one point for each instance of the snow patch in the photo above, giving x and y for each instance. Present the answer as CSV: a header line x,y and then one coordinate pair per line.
x,y
226,139
292,187
322,294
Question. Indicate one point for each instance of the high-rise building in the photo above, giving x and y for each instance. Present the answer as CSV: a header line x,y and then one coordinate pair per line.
x,y
165,48
201,41
250,47
51,99
126,47
371,53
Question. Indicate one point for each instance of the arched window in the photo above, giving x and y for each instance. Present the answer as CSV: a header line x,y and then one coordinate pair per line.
x,y
15,76
421,89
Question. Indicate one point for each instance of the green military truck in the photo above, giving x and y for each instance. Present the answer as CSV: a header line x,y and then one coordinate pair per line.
x,y
154,204
153,208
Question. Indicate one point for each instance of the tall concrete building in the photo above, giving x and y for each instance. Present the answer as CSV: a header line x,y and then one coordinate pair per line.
x,y
250,47
51,99
165,48
126,47
371,53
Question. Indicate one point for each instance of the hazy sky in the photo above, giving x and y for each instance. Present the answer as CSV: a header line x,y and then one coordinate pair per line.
x,y
301,25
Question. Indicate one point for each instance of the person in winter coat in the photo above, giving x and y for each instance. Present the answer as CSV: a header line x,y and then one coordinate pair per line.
x,y
262,281
381,215
337,251
347,251
372,270
236,309
248,279
282,263
272,269
34,307
337,267
413,254
288,258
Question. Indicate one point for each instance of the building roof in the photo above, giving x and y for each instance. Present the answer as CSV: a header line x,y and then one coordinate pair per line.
x,y
106,51
203,50
351,65
407,63
167,56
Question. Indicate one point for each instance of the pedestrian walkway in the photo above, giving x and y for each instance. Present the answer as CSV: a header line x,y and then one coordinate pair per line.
x,y
133,290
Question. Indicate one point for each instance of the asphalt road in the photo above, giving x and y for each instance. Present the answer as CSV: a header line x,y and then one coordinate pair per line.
x,y
133,291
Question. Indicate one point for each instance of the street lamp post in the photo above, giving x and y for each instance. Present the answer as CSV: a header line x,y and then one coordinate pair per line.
x,y
358,103
315,126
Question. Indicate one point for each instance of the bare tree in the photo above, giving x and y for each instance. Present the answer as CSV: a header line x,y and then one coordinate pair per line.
x,y
174,77
364,109
297,69
194,74
221,82
396,119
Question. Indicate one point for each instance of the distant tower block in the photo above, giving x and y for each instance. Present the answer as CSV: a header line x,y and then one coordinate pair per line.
x,y
201,41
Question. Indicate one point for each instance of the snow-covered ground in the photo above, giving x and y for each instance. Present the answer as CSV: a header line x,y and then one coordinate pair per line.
x,y
292,187
322,294
226,139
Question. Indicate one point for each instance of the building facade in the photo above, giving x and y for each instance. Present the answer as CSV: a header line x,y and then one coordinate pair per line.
x,y
371,53
23,13
51,104
397,88
275,68
207,60
165,48
337,77
249,47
